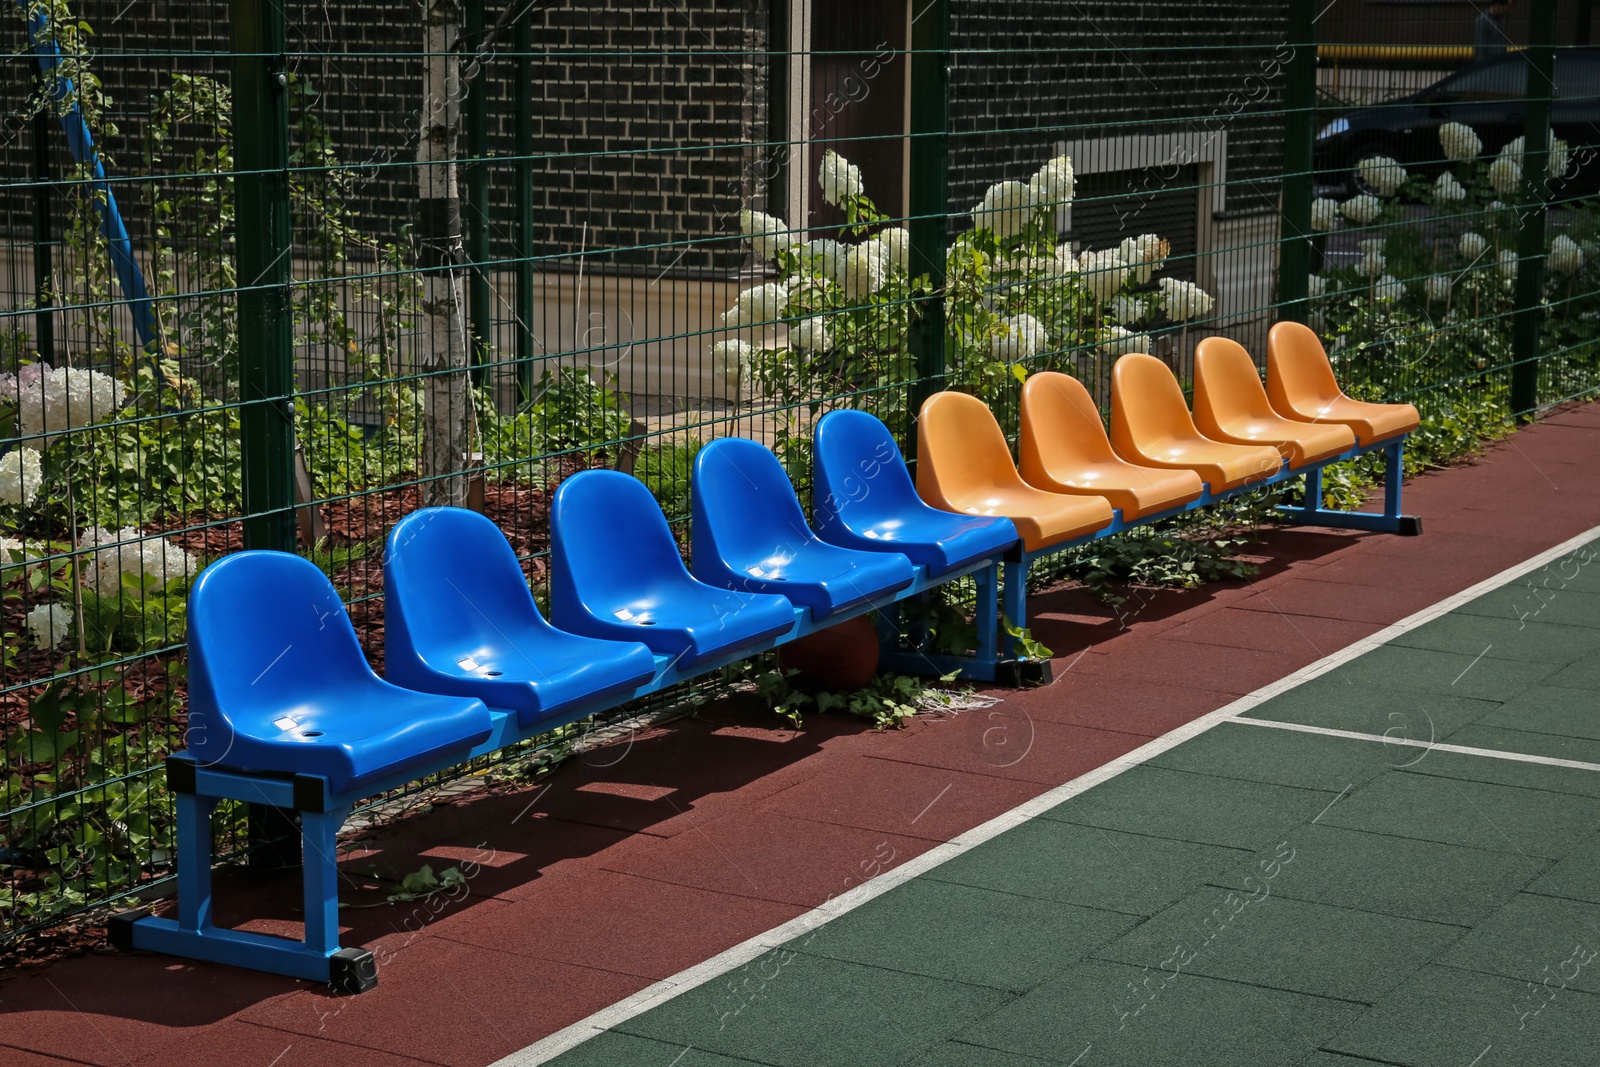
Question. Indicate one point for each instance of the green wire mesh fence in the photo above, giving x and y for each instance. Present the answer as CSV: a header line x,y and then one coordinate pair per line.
x,y
272,276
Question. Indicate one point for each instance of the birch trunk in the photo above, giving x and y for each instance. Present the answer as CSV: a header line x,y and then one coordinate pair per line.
x,y
443,345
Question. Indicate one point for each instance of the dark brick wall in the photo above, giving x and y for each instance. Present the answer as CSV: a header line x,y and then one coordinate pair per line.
x,y
1029,73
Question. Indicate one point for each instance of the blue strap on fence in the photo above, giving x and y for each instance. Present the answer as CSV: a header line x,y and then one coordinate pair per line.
x,y
81,143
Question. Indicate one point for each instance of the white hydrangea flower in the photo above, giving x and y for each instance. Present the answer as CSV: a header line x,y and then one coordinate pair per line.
x,y
1506,264
809,334
1383,173
47,624
1437,287
1052,185
1362,209
20,476
52,400
1447,190
1472,245
1184,300
1373,263
1565,255
1316,287
759,307
768,234
1372,244
1460,142
1005,209
1144,255
1116,341
839,178
1018,337
129,552
1128,309
823,257
1103,272
863,269
1324,214
1512,150
896,242
1388,287
1505,174
730,362
1558,157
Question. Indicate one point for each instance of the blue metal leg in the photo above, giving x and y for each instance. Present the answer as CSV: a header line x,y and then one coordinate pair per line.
x,y
194,861
1016,602
988,616
319,836
1312,513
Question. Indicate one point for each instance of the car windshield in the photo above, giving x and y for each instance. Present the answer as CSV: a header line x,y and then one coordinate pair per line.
x,y
1498,80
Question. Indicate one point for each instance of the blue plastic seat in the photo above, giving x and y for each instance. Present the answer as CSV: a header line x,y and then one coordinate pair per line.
x,y
278,682
459,618
864,499
615,573
749,533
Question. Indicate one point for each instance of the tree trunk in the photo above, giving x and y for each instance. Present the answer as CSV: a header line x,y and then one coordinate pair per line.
x,y
443,347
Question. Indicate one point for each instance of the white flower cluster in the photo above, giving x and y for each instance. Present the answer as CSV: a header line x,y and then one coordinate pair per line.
x,y
20,476
1388,287
52,400
1460,143
730,362
1565,255
1437,288
1005,209
1052,184
840,179
1373,261
1447,190
1116,341
1144,255
129,552
1129,309
1383,173
768,234
1505,173
896,243
1184,300
1362,209
47,624
825,255
1472,245
863,269
1019,337
1316,287
1324,214
1506,263
809,334
1103,272
758,308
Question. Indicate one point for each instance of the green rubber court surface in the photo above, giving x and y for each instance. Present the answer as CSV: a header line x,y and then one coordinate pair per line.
x,y
1394,861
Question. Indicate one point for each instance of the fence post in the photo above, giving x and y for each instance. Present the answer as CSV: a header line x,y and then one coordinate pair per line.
x,y
477,207
929,202
523,134
1299,133
266,321
1528,317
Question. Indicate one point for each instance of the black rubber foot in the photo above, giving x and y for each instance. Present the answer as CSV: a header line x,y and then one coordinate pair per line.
x,y
352,970
119,928
1023,673
1410,526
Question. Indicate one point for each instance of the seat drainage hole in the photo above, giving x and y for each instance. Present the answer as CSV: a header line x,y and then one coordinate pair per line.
x,y
312,733
493,674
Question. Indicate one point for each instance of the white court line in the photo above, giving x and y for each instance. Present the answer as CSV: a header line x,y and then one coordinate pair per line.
x,y
1431,746
610,1017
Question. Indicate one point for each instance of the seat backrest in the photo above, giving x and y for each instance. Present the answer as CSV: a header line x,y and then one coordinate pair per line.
x,y
1299,375
1226,385
451,580
1061,426
961,449
266,631
608,540
744,505
1147,402
859,469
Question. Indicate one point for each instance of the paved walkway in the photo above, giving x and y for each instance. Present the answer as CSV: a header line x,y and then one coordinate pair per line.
x,y
644,859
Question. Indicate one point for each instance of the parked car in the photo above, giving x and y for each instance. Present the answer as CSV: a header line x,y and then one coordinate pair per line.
x,y
1491,98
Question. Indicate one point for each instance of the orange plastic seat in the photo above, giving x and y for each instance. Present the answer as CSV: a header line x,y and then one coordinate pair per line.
x,y
1230,405
1064,449
1150,424
1300,385
963,465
